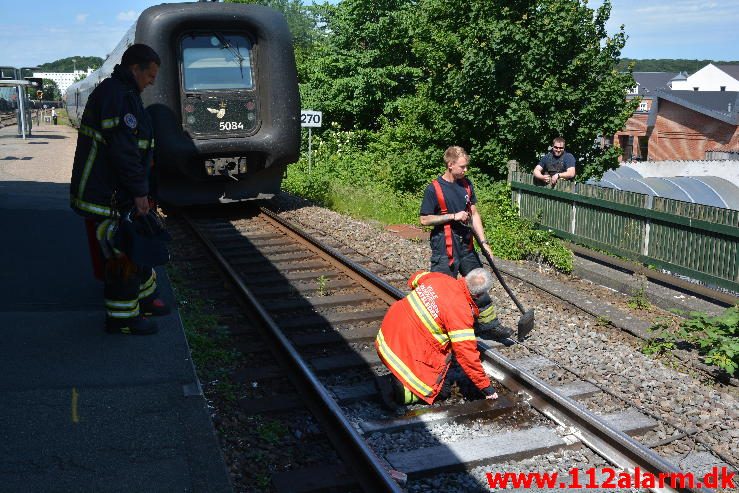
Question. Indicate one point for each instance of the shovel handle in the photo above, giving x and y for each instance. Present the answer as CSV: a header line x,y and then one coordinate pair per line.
x,y
497,272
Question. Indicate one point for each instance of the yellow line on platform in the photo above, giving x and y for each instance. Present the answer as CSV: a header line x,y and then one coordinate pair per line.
x,y
75,395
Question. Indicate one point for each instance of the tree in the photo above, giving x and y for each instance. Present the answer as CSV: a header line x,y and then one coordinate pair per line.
x,y
501,78
70,63
364,63
301,21
51,90
511,76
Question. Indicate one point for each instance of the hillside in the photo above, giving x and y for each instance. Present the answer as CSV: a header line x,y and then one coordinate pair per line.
x,y
68,64
667,65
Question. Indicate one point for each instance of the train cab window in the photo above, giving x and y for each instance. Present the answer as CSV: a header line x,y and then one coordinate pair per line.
x,y
215,61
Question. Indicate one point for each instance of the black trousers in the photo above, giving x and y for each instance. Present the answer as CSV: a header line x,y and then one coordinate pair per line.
x,y
468,261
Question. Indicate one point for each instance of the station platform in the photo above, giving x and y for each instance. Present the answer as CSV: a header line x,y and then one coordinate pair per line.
x,y
83,410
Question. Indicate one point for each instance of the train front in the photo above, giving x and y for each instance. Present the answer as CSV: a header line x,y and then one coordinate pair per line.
x,y
225,105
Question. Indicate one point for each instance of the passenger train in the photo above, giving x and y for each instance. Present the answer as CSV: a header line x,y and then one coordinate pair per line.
x,y
225,104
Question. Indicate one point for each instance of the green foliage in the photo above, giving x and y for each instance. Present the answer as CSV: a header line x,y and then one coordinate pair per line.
x,y
271,431
639,300
322,282
716,338
70,63
500,79
301,21
666,65
51,90
512,237
209,347
371,193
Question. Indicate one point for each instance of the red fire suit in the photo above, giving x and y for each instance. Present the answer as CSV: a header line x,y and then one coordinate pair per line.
x,y
419,333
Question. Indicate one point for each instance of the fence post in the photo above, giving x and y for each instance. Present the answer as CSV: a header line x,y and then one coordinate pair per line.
x,y
512,167
573,215
515,195
647,227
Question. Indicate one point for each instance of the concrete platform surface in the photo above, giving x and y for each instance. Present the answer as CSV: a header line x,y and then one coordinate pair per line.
x,y
83,410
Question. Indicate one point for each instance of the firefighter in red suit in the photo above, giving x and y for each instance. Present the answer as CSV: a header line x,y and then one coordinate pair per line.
x,y
420,332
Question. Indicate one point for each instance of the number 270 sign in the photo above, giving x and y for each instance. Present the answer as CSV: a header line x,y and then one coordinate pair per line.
x,y
310,118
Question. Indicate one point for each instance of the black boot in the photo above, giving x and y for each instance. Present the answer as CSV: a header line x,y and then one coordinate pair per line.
x,y
139,326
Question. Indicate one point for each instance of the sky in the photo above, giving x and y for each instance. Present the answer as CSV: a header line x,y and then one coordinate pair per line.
x,y
54,29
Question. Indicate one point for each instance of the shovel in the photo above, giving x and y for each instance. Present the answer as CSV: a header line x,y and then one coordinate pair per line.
x,y
526,322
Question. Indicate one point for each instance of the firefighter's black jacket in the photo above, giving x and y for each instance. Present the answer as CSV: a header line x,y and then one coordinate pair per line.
x,y
114,148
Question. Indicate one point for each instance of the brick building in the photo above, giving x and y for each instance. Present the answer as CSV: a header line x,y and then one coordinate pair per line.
x,y
633,138
685,125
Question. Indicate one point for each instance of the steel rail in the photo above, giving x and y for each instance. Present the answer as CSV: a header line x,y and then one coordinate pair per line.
x,y
391,293
615,446
612,444
358,457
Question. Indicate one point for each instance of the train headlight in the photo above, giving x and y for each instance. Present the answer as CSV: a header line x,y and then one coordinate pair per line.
x,y
190,119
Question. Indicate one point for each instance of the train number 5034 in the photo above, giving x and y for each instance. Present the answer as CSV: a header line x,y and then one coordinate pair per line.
x,y
230,126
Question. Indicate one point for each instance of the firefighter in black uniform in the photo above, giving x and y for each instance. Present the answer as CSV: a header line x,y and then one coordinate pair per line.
x,y
449,206
111,172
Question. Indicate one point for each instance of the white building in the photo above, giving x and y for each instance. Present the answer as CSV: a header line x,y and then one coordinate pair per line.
x,y
712,77
63,79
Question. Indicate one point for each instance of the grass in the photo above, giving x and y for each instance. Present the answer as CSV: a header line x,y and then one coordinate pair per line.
x,y
384,206
210,346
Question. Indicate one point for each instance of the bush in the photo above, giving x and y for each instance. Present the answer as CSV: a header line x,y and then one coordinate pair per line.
x,y
512,237
358,174
716,338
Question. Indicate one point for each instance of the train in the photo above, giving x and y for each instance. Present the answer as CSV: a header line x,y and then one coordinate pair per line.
x,y
225,105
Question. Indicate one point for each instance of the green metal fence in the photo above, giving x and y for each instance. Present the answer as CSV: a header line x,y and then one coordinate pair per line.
x,y
695,240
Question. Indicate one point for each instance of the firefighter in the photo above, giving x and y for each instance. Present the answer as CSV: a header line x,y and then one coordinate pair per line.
x,y
112,164
449,205
420,332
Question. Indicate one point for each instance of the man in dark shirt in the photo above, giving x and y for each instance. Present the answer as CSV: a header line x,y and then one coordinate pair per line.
x,y
449,206
555,165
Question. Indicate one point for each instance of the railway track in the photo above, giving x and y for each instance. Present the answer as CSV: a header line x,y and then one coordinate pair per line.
x,y
320,311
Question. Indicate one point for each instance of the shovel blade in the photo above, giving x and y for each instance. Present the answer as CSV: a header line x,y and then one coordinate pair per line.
x,y
525,324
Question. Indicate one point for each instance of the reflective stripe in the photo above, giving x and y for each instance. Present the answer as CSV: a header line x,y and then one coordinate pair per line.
x,y
152,143
110,122
409,397
395,363
105,231
487,315
427,319
92,133
88,167
124,313
462,335
143,143
418,278
148,287
100,210
130,304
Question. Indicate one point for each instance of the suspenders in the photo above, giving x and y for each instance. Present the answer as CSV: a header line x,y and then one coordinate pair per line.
x,y
448,240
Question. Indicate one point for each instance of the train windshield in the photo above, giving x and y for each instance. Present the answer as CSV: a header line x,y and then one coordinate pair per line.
x,y
216,61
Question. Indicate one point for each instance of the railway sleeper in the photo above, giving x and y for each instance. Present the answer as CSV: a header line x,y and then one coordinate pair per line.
x,y
515,445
